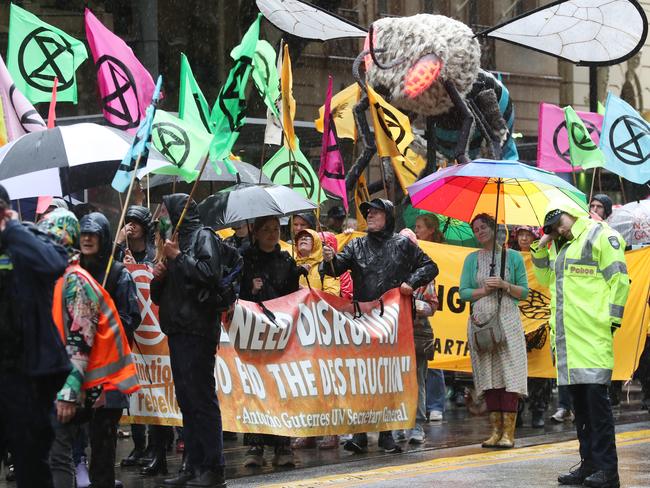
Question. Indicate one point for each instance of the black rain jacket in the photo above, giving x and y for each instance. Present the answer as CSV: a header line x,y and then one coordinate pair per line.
x,y
381,261
194,272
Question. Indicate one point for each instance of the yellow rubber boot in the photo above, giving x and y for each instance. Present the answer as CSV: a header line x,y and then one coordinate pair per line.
x,y
508,437
496,420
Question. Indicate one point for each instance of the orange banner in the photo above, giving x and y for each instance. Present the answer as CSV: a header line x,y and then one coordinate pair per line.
x,y
310,367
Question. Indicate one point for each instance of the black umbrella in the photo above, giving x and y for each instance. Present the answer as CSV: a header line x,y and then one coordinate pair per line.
x,y
210,181
242,202
66,159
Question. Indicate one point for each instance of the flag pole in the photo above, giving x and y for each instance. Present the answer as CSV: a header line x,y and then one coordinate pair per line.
x,y
192,191
593,181
122,217
620,179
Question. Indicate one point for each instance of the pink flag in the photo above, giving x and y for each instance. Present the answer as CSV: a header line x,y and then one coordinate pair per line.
x,y
553,145
331,172
125,86
20,116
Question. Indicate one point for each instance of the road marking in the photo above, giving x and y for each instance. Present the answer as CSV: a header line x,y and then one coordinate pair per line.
x,y
489,458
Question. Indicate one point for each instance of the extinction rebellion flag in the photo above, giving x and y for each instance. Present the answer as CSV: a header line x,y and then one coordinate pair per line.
x,y
38,53
582,149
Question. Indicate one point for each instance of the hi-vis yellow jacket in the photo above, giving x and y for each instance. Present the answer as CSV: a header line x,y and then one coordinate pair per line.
x,y
589,287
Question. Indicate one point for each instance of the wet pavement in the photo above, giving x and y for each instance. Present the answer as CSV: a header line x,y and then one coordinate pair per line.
x,y
457,435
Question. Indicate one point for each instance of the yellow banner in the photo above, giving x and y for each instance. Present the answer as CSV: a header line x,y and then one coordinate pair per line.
x,y
392,128
342,114
408,168
288,102
450,321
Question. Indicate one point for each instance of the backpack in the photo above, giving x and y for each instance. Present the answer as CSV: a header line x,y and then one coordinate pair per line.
x,y
225,291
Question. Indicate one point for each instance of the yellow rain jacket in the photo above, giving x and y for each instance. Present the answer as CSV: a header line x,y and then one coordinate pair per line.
x,y
589,286
328,284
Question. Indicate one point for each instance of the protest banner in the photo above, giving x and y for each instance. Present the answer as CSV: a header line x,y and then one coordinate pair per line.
x,y
316,368
320,371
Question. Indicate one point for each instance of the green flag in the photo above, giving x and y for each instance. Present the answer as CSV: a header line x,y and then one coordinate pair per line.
x,y
182,142
281,167
192,105
38,53
227,115
265,75
582,150
601,108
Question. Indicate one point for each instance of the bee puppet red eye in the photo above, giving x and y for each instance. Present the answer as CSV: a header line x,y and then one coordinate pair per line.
x,y
422,75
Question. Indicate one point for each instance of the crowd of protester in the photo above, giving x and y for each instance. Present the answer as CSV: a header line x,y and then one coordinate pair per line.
x,y
62,290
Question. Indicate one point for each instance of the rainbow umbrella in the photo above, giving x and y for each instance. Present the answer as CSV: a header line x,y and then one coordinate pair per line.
x,y
517,194
466,190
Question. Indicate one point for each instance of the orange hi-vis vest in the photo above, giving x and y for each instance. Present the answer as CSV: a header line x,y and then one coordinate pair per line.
x,y
110,363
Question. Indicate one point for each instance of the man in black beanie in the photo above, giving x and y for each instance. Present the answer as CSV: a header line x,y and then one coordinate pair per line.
x,y
601,205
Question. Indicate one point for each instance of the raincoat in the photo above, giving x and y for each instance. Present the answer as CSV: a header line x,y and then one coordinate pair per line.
x,y
381,261
589,286
191,275
314,279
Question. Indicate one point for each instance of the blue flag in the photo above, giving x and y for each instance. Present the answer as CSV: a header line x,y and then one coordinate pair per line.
x,y
625,140
139,146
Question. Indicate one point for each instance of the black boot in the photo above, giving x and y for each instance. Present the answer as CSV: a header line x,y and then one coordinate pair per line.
x,y
185,474
148,454
158,464
603,479
133,459
209,479
577,476
537,421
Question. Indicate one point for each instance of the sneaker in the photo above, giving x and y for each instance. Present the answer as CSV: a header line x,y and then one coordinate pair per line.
x,y
435,416
417,436
561,415
254,457
81,473
283,457
400,435
358,444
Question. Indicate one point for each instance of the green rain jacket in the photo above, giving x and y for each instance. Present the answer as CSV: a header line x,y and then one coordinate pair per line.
x,y
589,287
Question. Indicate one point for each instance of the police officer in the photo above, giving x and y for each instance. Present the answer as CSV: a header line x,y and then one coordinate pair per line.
x,y
586,271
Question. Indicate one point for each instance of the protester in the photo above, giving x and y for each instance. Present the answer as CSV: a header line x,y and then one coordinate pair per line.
x,y
539,389
303,221
600,207
89,323
184,289
309,248
33,360
500,371
96,246
135,243
587,303
240,240
136,246
335,219
425,301
427,228
268,273
56,202
379,262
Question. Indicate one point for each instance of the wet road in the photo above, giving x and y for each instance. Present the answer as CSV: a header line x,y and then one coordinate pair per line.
x,y
530,467
451,454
